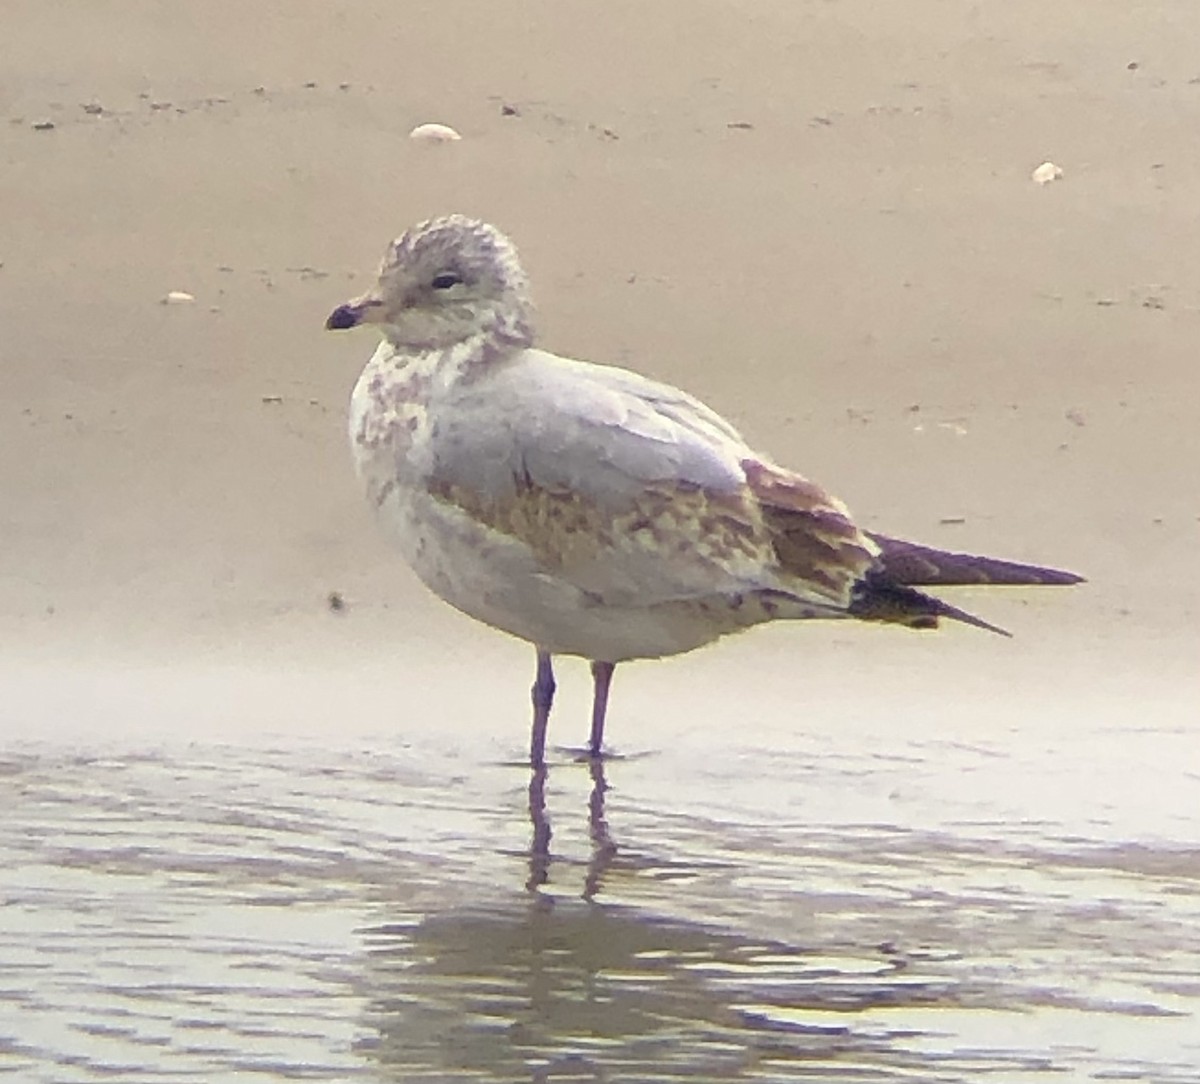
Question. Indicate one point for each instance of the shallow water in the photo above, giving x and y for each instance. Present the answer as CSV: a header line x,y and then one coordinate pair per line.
x,y
870,903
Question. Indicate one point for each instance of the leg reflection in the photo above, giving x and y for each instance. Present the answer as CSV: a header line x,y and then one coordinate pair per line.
x,y
603,848
539,845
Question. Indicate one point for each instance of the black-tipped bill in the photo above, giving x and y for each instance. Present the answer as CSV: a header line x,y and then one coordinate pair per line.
x,y
344,316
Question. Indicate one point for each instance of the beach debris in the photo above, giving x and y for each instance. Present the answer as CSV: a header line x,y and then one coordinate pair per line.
x,y
272,398
42,126
507,110
1045,173
307,272
434,133
178,297
952,425
336,602
952,520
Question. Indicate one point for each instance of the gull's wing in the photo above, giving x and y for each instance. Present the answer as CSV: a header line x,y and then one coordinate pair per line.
x,y
632,490
599,432
914,565
639,494
817,543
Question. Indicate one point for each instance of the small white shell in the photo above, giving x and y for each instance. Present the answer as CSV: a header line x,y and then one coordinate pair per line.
x,y
178,297
434,133
1045,173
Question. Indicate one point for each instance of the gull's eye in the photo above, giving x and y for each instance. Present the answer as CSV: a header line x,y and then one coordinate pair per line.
x,y
444,280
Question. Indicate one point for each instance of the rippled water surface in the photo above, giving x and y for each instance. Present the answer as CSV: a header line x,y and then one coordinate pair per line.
x,y
870,904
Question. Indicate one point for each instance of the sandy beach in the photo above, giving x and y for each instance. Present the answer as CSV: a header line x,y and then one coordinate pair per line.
x,y
819,218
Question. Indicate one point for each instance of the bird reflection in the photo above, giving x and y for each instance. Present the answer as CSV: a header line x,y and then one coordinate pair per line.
x,y
603,848
539,845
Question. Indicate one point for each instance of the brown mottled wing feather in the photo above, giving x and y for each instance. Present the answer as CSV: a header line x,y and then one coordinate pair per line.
x,y
815,541
874,576
913,565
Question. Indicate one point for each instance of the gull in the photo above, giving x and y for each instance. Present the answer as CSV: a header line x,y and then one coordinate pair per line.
x,y
585,508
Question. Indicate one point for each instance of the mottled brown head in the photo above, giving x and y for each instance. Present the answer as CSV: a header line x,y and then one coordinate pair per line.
x,y
443,282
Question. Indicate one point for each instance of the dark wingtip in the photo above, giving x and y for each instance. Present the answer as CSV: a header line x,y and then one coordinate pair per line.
x,y
915,565
343,317
1066,579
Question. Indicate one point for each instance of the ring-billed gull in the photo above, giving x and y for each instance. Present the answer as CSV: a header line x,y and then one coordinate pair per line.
x,y
587,509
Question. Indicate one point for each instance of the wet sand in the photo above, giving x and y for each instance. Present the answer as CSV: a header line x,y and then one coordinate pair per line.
x,y
244,832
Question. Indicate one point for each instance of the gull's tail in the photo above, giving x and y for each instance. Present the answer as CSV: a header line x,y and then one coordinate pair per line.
x,y
888,592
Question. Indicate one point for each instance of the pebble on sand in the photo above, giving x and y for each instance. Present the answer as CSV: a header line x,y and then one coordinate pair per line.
x,y
434,133
1045,173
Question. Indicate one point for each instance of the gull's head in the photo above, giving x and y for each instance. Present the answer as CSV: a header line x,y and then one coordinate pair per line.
x,y
443,282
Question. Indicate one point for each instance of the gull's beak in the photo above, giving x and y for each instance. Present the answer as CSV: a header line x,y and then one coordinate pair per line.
x,y
362,310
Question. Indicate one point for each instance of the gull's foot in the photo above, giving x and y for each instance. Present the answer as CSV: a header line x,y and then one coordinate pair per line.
x,y
586,755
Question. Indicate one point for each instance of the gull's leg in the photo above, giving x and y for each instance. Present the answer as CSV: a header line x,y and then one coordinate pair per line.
x,y
602,673
543,697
